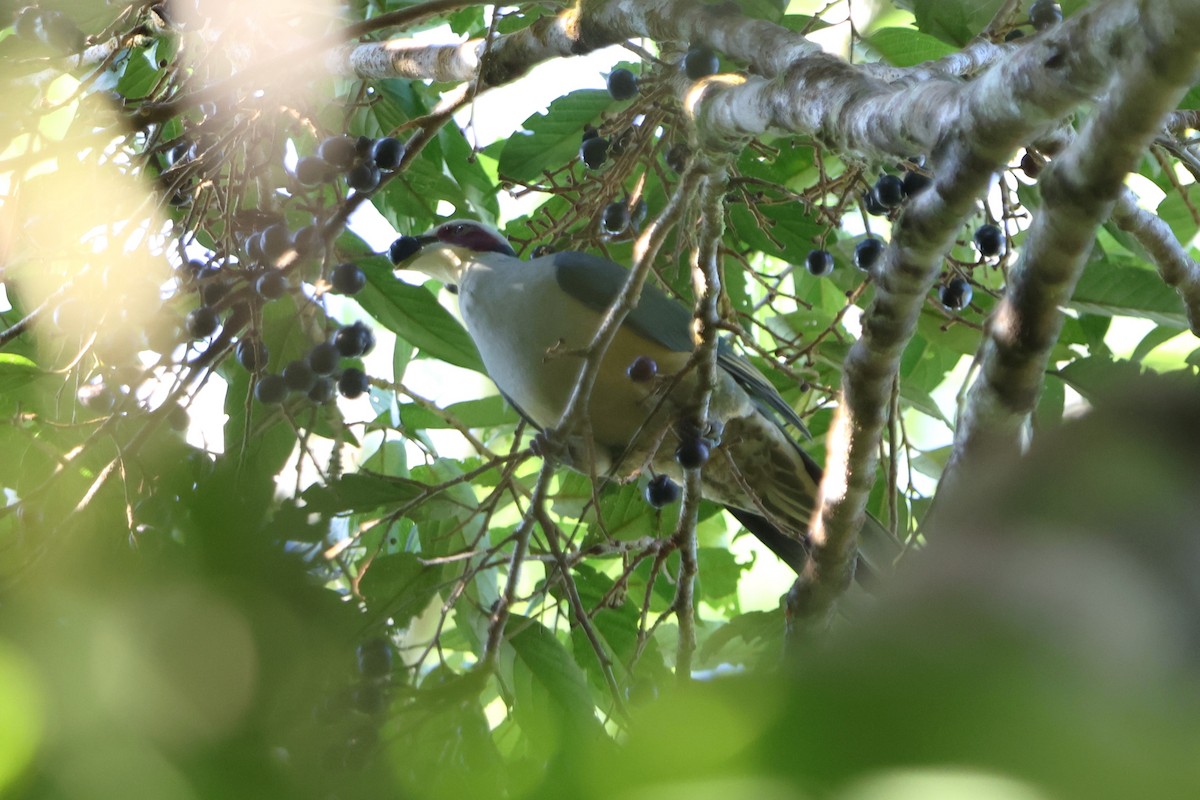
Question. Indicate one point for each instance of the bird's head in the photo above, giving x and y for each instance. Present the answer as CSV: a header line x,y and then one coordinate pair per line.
x,y
445,251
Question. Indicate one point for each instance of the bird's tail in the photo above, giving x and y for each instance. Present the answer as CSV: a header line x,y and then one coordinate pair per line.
x,y
878,549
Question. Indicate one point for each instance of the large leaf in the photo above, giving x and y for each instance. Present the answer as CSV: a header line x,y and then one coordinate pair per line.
x,y
903,47
1117,288
360,491
550,140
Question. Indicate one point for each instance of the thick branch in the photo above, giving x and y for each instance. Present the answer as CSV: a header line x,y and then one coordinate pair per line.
x,y
1079,189
1176,267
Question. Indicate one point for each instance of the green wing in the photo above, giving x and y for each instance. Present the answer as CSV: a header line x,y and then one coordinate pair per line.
x,y
596,282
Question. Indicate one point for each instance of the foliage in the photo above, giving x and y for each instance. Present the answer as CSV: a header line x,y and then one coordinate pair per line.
x,y
190,573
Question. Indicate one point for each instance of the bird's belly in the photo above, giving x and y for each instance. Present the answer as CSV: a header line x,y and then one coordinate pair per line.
x,y
531,352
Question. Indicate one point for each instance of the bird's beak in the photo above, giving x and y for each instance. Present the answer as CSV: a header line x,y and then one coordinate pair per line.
x,y
426,238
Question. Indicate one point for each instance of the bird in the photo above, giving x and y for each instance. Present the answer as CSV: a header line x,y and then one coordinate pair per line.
x,y
532,319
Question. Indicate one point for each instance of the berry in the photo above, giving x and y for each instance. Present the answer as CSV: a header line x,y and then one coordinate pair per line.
x,y
307,240
251,354
270,389
177,418
589,132
375,658
819,262
338,151
915,183
213,289
956,294
867,252
323,358
353,383
201,322
271,285
1014,34
312,170
363,145
322,391
1030,165
363,177
700,61
96,397
1044,13
661,491
253,247
354,340
348,279
275,241
989,240
677,156
638,214
299,377
692,453
60,32
872,204
614,218
642,369
889,191
622,84
403,248
594,152
387,153
28,24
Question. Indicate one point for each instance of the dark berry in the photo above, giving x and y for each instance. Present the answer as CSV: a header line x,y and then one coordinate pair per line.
x,y
615,217
348,279
692,453
96,397
956,294
867,252
307,240
322,391
299,377
387,153
1030,165
338,151
589,132
213,287
677,156
375,658
28,24
661,491
201,322
363,145
889,191
622,84
819,262
989,240
353,383
915,182
403,248
700,61
323,358
638,214
363,177
312,170
354,340
642,369
252,354
177,418
253,247
1044,13
270,389
872,204
271,285
1014,34
275,240
61,32
594,152
370,699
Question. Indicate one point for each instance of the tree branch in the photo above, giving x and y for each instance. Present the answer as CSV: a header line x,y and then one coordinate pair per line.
x,y
1079,190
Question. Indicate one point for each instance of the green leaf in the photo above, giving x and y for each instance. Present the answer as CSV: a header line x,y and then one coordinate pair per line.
x,y
360,491
550,140
551,696
487,412
399,586
1096,376
789,225
412,312
17,371
1113,287
904,47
